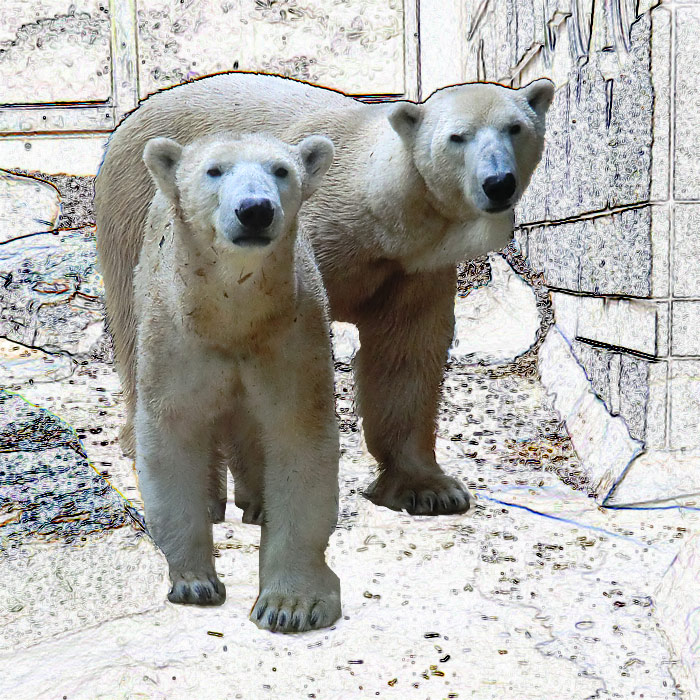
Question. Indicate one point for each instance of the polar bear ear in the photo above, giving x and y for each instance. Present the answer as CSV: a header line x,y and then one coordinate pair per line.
x,y
539,95
405,118
162,156
316,153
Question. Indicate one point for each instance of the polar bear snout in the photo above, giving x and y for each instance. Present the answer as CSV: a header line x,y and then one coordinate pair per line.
x,y
255,214
251,212
499,188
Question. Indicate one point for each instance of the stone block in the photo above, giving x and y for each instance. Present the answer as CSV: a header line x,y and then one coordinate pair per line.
x,y
624,323
657,405
634,394
686,250
566,309
491,43
442,44
633,388
685,324
687,112
684,391
597,364
49,52
598,151
661,53
602,443
357,47
630,105
660,235
556,250
47,154
608,254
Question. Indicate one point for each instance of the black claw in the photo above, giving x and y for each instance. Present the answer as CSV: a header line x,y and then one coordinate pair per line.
x,y
296,622
202,592
314,618
261,612
282,620
413,502
271,618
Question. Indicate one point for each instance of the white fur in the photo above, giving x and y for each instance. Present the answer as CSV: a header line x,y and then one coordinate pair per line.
x,y
233,363
402,204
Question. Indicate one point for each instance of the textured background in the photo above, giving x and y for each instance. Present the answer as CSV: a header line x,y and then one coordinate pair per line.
x,y
536,593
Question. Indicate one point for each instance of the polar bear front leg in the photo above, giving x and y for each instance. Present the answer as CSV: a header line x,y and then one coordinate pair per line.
x,y
173,465
405,335
298,590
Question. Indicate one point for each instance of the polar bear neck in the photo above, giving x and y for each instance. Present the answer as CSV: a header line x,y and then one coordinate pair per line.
x,y
224,295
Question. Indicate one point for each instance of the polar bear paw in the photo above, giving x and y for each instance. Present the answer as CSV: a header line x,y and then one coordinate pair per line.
x,y
195,589
291,612
420,494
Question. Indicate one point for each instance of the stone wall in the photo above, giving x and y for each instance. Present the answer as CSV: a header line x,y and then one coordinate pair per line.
x,y
612,214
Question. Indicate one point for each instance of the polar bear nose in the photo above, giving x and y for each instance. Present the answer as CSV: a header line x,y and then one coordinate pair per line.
x,y
256,213
499,188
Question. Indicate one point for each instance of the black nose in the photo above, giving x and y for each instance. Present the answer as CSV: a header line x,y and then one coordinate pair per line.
x,y
255,213
499,188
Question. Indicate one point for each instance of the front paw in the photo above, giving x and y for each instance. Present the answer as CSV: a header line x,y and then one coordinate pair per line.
x,y
419,494
298,607
197,589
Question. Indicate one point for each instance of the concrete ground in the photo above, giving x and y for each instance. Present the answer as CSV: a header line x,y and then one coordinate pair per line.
x,y
536,593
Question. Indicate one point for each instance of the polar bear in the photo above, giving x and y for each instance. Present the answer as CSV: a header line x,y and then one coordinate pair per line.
x,y
414,189
233,360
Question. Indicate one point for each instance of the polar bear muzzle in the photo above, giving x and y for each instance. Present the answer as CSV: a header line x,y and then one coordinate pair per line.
x,y
256,215
499,188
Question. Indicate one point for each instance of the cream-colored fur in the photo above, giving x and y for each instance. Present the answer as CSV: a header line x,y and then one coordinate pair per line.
x,y
403,203
233,362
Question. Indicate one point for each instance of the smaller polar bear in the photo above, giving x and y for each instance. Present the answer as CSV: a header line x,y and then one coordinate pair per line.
x,y
234,361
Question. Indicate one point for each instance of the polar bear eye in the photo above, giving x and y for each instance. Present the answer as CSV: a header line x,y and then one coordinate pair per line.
x,y
514,129
214,172
457,138
281,172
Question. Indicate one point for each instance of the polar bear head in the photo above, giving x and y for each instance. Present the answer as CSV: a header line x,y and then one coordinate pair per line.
x,y
238,192
476,145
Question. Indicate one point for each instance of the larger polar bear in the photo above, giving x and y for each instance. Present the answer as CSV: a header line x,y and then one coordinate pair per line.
x,y
234,363
414,189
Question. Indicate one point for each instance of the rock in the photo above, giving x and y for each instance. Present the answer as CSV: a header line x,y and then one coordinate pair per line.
x,y
27,205
346,341
497,322
51,296
602,442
